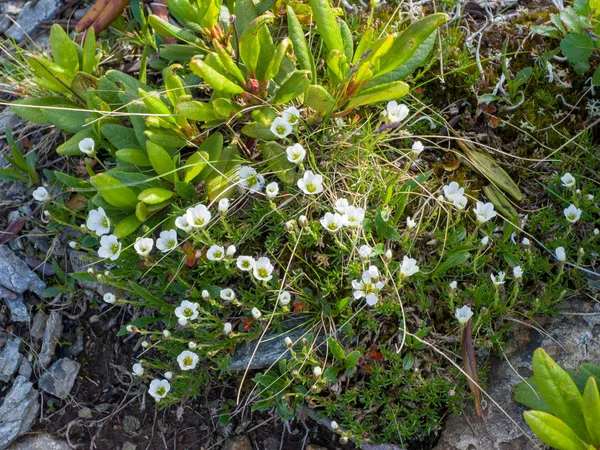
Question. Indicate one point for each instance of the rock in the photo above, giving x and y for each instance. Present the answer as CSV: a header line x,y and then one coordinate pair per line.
x,y
60,378
25,369
10,359
40,442
131,424
129,446
237,443
52,333
74,350
7,117
84,413
80,13
30,17
18,411
16,276
16,305
271,443
571,341
81,262
38,325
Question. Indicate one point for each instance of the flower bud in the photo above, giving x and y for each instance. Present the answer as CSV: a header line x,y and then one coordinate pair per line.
x,y
334,425
303,221
145,344
289,226
344,440
317,371
73,244
288,342
166,334
314,389
192,345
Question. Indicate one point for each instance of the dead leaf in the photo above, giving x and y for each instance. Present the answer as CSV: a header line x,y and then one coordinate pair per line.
x,y
76,203
470,364
12,231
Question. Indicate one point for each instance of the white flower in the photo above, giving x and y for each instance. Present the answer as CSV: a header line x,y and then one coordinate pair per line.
x,y
159,389
311,183
371,299
334,425
145,344
143,246
182,223
395,112
317,371
372,273
485,240
187,310
453,285
73,244
332,222
129,328
215,253
463,314
87,146
484,212
187,360
353,217
284,298
560,254
227,328
517,272
109,298
256,313
41,194
453,190
192,345
110,247
410,223
245,263
167,240
272,190
288,342
198,216
295,153
388,255
223,205
596,231
137,369
460,202
498,279
572,213
368,284
98,222
291,115
230,250
303,221
526,241
166,334
408,267
281,127
168,375
250,179
205,295
263,269
590,197
227,294
417,148
568,180
365,251
341,204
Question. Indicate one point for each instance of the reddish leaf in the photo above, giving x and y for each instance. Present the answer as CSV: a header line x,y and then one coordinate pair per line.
x,y
470,364
12,231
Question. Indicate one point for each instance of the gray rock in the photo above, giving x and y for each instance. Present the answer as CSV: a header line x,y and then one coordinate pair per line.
x,y
129,446
571,341
7,117
81,262
38,325
52,333
16,305
84,413
72,351
131,424
32,14
25,369
60,378
40,442
10,359
18,411
15,274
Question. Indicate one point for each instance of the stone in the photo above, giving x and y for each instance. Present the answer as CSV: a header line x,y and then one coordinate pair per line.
x,y
32,14
81,262
74,350
15,274
271,443
52,333
10,359
18,411
7,117
25,369
16,305
237,443
38,325
129,446
40,442
84,413
131,424
572,340
60,378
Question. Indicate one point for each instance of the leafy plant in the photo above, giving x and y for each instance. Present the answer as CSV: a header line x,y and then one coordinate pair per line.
x,y
23,166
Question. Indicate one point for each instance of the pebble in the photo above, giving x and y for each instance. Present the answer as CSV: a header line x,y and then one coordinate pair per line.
x,y
18,411
237,443
38,325
32,14
52,333
60,378
10,359
131,424
15,274
40,442
84,413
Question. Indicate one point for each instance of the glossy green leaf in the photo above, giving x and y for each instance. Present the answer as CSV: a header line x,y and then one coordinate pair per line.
x,y
267,52
167,29
154,196
194,165
381,93
319,99
303,54
295,85
275,62
161,161
120,136
197,111
64,50
88,58
327,24
228,62
127,226
217,81
179,52
591,410
213,145
528,394
553,431
114,192
347,39
351,359
133,156
32,109
250,45
166,138
258,131
276,158
71,146
69,120
336,349
141,211
245,12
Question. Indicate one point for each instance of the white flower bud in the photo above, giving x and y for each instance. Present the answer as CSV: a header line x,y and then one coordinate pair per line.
x,y
317,371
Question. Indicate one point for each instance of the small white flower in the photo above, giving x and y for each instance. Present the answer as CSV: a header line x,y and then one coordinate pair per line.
x,y
250,179
192,345
288,342
463,314
371,299
498,279
73,244
596,231
590,197
372,273
332,222
129,328
263,269
98,222
86,146
187,310
205,295
572,213
110,247
281,127
517,272
167,240
143,246
227,328
145,344
256,313
187,360
365,251
317,371
166,334
334,425
284,298
310,183
168,375
408,267
303,221
182,223
560,254
395,112
159,389
568,180
109,298
230,250
41,194
353,217
484,212
223,205
245,263
137,369
341,204
295,153
289,226
227,294
215,253
272,190
198,217
460,202
485,240
410,223
417,148
291,115
452,191
526,242
388,255
453,285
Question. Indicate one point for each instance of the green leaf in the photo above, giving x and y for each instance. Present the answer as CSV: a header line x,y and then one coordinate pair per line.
x,y
114,192
575,22
319,99
277,57
187,191
250,44
214,147
590,370
336,349
546,30
127,226
454,260
225,173
245,12
596,77
140,323
331,374
381,93
228,62
154,196
32,109
351,359
9,174
161,161
89,61
217,81
528,394
179,52
194,165
347,39
578,48
259,131
71,146
119,136
295,85
553,431
150,299
276,158
560,392
301,49
493,172
165,138
327,25
69,120
167,29
591,410
133,156
80,185
64,50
